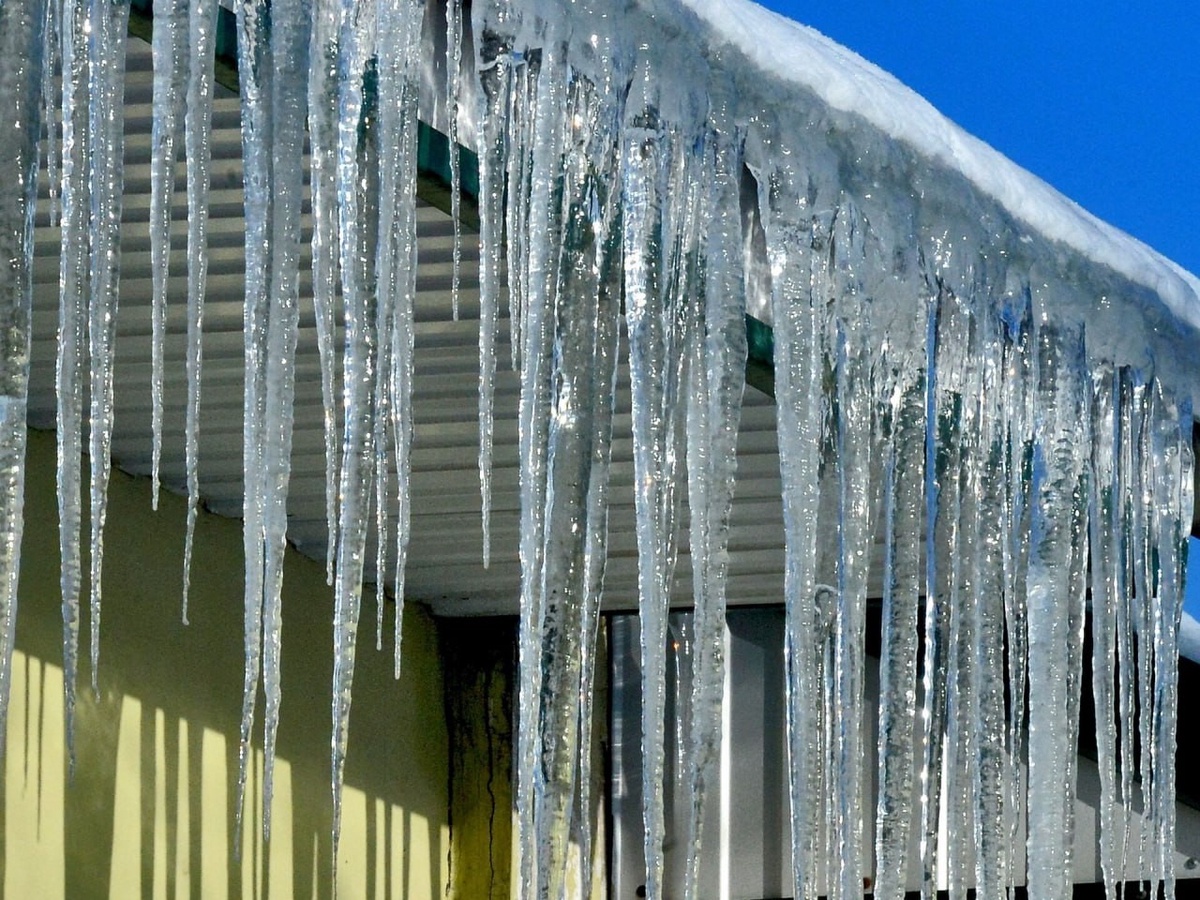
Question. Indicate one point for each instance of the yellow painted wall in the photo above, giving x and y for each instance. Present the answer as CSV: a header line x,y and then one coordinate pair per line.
x,y
149,811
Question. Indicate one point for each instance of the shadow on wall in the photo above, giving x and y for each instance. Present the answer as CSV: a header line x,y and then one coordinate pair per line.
x,y
149,810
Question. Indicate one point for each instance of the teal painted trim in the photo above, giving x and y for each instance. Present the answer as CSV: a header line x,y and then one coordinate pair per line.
x,y
760,340
433,158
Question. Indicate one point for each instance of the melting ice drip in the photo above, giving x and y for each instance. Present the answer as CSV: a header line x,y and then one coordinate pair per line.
x,y
964,363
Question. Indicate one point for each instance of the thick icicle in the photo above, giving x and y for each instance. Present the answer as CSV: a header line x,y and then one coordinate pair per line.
x,y
290,22
798,324
566,592
718,379
855,531
106,74
1104,536
202,22
73,281
255,82
1059,490
1171,463
170,68
903,495
454,40
992,851
357,240
946,349
322,135
1017,314
659,246
533,427
962,697
21,43
595,551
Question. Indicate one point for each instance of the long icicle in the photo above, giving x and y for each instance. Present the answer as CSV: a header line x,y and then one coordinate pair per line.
x,y
604,376
202,21
647,158
1059,487
356,35
718,379
170,68
73,283
493,65
254,75
403,339
106,72
533,411
290,23
399,33
322,135
21,43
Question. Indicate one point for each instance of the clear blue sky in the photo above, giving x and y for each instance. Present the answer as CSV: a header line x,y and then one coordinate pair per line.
x,y
1101,99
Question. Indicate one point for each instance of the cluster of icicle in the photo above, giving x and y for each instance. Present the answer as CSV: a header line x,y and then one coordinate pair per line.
x,y
339,77
927,390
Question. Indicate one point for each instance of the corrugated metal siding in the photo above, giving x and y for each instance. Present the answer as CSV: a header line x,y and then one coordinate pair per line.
x,y
445,567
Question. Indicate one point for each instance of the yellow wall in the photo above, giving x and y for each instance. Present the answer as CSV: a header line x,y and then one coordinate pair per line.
x,y
149,811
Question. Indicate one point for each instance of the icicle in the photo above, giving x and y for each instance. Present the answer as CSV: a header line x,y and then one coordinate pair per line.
x,y
903,496
718,379
399,34
797,326
533,427
1103,538
569,501
454,41
289,37
1132,393
254,77
1017,316
73,280
992,851
1059,489
170,68
493,66
106,125
658,245
960,775
322,117
21,44
855,532
202,22
595,551
1171,463
355,133
946,348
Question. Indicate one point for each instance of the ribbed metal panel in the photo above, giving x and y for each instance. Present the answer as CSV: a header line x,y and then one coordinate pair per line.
x,y
445,567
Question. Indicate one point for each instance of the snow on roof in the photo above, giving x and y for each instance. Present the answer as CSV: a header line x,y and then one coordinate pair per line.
x,y
798,55
1189,638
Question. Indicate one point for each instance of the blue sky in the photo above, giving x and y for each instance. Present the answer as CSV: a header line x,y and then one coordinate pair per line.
x,y
1099,98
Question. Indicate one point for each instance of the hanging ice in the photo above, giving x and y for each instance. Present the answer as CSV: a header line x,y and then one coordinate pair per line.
x,y
73,283
170,69
21,42
109,24
201,44
997,380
